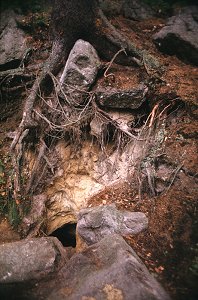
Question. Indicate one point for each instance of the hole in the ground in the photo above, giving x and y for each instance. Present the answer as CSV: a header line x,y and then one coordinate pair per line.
x,y
66,235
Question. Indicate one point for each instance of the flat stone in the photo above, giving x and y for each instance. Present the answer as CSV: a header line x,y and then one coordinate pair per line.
x,y
113,98
97,222
30,259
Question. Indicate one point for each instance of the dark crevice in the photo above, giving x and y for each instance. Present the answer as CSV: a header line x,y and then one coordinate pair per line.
x,y
13,64
66,235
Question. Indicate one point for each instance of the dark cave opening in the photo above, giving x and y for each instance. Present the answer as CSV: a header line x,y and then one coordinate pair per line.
x,y
66,235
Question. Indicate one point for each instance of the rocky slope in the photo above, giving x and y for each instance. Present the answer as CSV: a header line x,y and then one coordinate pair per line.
x,y
138,151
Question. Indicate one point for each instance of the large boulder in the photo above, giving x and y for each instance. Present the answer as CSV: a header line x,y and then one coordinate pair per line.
x,y
80,72
124,99
179,36
107,270
30,259
97,222
12,41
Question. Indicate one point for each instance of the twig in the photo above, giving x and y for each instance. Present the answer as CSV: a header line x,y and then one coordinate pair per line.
x,y
175,174
153,114
164,110
150,180
139,188
111,62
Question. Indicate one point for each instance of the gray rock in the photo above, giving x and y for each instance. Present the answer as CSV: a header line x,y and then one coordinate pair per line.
x,y
97,222
137,10
113,98
80,71
12,41
122,119
112,7
98,127
109,269
30,259
132,9
179,36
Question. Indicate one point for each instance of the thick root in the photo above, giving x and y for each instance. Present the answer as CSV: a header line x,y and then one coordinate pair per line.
x,y
53,65
108,41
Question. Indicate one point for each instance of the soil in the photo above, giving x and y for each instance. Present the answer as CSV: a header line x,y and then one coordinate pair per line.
x,y
7,233
168,246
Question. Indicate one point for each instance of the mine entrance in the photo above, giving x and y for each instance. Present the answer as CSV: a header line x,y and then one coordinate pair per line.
x,y
66,235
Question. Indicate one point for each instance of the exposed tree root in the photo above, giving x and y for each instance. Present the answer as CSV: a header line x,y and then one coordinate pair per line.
x,y
36,165
109,43
108,40
53,65
104,31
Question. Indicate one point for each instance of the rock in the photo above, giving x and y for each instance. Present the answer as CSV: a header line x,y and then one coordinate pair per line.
x,y
85,173
132,9
109,269
98,127
97,222
80,71
30,259
137,10
179,36
110,7
163,176
12,41
124,121
113,98
34,219
61,210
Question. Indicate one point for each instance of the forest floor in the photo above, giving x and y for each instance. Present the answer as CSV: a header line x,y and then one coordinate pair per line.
x,y
168,246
